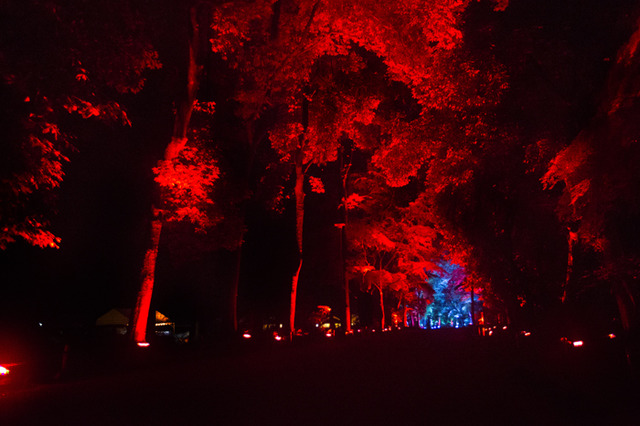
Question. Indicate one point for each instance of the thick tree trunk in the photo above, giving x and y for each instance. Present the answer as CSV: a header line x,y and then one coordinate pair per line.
x,y
347,293
143,302
299,193
294,295
173,149
405,316
343,242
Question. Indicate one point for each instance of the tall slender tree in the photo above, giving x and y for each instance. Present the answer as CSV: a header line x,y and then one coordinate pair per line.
x,y
180,170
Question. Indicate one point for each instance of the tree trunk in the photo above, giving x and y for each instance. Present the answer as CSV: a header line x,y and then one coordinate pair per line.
x,y
405,316
629,318
173,149
343,242
143,302
299,193
382,319
572,238
347,295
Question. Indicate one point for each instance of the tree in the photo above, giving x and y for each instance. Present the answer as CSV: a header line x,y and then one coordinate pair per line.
x,y
184,176
599,195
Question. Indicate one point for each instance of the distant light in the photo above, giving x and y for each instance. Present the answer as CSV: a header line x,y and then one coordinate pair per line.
x,y
578,343
504,328
328,334
246,336
490,332
40,324
3,371
526,333
143,344
277,337
612,336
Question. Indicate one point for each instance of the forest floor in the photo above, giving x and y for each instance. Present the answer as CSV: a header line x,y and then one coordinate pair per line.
x,y
408,377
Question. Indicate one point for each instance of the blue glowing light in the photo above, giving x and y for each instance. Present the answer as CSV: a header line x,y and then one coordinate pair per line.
x,y
451,304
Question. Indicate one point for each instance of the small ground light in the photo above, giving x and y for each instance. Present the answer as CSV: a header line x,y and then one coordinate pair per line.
x,y
246,336
612,336
277,337
578,343
143,344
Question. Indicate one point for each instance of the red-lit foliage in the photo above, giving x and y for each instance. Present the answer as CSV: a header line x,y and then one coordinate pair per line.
x,y
186,183
599,201
59,59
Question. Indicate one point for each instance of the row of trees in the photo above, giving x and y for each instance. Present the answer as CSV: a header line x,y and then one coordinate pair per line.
x,y
470,133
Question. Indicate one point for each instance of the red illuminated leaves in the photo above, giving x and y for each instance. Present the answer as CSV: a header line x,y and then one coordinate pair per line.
x,y
316,185
186,183
33,230
353,201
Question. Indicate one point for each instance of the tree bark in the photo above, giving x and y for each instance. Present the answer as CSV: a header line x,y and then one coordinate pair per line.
x,y
143,302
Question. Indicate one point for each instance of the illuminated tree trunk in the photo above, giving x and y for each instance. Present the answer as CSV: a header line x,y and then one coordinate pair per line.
x,y
343,242
382,319
299,193
143,302
177,143
405,316
572,238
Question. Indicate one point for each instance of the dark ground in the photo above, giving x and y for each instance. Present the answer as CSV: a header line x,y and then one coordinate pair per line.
x,y
405,377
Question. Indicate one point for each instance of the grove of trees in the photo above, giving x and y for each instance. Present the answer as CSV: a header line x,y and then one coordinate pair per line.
x,y
497,137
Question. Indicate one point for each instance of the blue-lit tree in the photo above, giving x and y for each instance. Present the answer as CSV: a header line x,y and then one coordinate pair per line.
x,y
451,302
